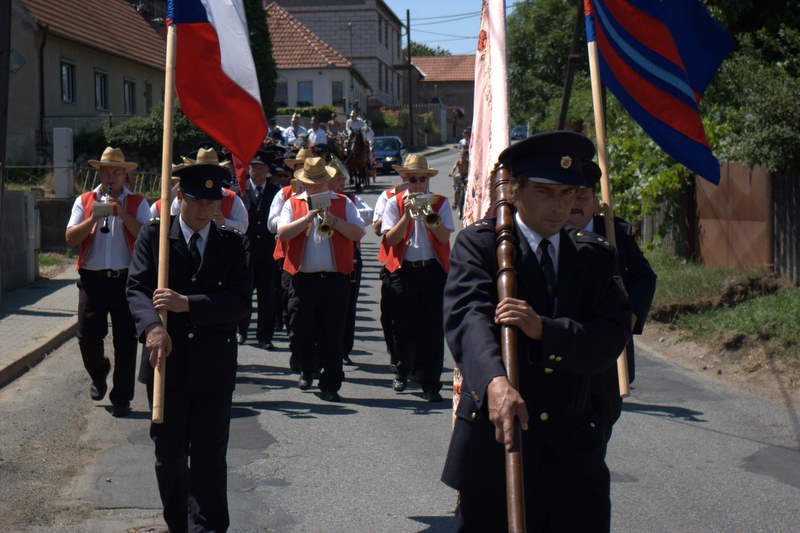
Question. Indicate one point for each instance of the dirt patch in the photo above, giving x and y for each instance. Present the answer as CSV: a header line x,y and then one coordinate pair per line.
x,y
745,362
52,264
733,292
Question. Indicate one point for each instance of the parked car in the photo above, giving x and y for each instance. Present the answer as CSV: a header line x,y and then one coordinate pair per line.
x,y
519,132
389,150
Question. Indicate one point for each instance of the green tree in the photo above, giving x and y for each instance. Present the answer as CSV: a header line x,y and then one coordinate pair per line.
x,y
261,45
424,50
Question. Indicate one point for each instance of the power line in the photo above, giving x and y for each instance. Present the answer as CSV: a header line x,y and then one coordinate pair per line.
x,y
444,34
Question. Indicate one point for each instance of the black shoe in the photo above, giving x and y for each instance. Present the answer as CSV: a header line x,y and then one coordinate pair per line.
x,y
98,391
121,409
241,338
305,381
346,360
399,384
330,396
266,345
432,396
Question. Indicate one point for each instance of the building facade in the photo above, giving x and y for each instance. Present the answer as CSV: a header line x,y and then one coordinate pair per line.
x,y
80,64
366,32
450,81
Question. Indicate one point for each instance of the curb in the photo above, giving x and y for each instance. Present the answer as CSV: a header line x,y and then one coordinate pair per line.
x,y
35,356
435,151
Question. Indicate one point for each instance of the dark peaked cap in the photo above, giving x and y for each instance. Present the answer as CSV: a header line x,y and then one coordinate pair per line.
x,y
562,157
202,180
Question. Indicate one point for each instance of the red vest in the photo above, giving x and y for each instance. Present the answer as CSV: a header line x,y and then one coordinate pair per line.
x,y
225,206
394,257
277,255
342,246
383,251
132,202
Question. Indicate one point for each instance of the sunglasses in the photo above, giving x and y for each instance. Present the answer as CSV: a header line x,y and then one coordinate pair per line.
x,y
420,179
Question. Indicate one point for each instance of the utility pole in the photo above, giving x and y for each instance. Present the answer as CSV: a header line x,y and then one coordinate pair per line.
x,y
410,81
5,58
572,61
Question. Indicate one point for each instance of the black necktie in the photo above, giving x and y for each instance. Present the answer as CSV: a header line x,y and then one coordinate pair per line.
x,y
259,189
546,262
194,251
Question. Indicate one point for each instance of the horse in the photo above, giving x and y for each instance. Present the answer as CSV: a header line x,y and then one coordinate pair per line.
x,y
357,160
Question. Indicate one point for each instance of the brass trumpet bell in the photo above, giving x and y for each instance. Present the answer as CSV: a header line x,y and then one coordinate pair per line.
x,y
422,207
324,228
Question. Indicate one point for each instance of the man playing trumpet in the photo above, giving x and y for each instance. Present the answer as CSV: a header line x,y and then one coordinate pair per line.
x,y
318,254
417,229
105,223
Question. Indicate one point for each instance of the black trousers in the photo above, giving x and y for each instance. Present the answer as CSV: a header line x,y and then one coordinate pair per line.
x,y
318,315
355,286
102,293
387,320
191,446
264,273
416,295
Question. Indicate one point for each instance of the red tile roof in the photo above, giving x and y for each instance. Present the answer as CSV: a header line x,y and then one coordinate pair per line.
x,y
296,46
112,26
446,68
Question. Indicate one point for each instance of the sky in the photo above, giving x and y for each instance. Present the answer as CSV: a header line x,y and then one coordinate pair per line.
x,y
450,24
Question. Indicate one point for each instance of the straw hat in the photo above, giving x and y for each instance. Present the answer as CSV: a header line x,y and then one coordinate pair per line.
x,y
313,171
295,116
415,165
336,169
298,159
113,157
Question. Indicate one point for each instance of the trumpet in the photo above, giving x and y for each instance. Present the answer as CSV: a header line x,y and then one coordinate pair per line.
x,y
422,207
324,228
104,227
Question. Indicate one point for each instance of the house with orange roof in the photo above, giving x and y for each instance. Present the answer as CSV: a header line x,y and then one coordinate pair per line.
x,y
80,64
310,71
450,81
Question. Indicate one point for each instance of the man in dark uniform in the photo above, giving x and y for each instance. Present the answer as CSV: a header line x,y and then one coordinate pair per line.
x,y
640,284
257,199
572,317
208,295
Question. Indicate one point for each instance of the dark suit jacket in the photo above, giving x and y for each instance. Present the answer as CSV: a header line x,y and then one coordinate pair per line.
x,y
204,345
262,242
582,339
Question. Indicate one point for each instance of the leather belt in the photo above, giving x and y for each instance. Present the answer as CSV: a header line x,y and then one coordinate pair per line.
x,y
418,264
321,275
108,273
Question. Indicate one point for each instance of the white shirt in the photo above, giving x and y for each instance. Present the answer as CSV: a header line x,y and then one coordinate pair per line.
x,y
590,225
364,210
275,209
380,206
108,250
188,232
239,218
317,136
418,245
317,250
291,134
354,124
534,239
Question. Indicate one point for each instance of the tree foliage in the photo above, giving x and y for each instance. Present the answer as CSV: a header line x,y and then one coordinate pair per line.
x,y
261,45
424,50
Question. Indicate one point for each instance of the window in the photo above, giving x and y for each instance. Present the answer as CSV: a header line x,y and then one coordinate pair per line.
x,y
281,94
386,33
148,96
380,30
100,90
305,93
337,93
380,76
67,82
129,97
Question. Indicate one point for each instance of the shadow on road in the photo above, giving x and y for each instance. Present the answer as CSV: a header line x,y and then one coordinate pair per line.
x,y
436,524
298,409
666,411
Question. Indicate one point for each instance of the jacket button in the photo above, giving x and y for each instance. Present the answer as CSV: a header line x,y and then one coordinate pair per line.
x,y
592,425
475,396
474,415
544,416
552,357
194,279
219,283
258,236
548,371
190,335
558,359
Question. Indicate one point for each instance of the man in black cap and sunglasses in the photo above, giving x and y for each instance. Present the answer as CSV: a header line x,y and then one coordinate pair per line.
x,y
209,293
572,318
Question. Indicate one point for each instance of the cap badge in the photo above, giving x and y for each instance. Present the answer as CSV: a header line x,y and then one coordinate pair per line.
x,y
209,184
566,162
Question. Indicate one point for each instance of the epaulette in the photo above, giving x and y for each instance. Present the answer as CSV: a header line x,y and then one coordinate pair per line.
x,y
588,237
483,224
230,229
155,220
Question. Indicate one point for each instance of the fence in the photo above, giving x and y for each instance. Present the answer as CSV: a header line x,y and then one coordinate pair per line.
x,y
39,178
786,224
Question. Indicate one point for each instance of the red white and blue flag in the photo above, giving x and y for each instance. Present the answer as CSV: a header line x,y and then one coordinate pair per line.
x,y
657,58
215,75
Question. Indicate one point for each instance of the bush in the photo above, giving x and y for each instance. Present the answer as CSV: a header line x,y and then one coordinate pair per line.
x,y
88,144
323,113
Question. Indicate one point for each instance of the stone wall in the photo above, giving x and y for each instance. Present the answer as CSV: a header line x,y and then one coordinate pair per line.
x,y
19,230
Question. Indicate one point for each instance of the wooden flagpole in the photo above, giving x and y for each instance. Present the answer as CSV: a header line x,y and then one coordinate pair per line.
x,y
605,185
163,241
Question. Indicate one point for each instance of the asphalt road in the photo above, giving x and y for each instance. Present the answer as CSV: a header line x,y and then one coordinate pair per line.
x,y
687,455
